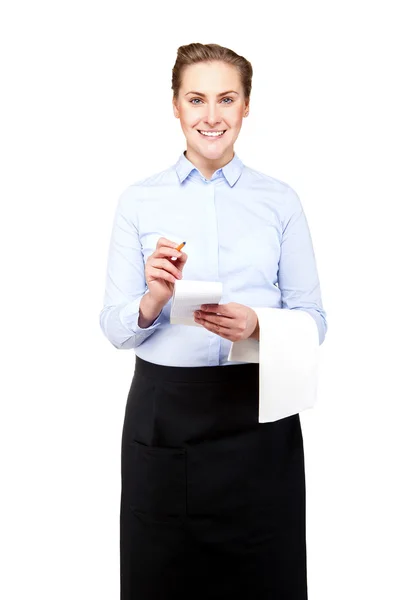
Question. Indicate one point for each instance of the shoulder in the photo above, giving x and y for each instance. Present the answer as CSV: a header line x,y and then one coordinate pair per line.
x,y
284,194
268,181
141,188
158,178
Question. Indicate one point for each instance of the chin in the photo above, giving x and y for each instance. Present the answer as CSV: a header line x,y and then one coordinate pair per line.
x,y
211,154
216,151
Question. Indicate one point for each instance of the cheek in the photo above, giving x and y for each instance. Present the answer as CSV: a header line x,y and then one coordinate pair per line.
x,y
234,121
187,119
238,120
189,127
184,122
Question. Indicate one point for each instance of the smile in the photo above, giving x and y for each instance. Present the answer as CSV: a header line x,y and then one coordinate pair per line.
x,y
212,134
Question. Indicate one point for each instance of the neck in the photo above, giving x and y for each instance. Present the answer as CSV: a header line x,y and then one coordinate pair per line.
x,y
208,166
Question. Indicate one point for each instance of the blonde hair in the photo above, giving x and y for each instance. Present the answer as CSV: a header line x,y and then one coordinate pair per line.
x,y
196,52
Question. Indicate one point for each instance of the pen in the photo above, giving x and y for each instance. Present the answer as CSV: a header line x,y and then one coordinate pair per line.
x,y
179,247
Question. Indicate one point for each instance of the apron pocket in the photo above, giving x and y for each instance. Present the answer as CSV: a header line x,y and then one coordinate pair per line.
x,y
157,481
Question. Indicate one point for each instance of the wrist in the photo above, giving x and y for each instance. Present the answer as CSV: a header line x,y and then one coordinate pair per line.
x,y
149,311
153,303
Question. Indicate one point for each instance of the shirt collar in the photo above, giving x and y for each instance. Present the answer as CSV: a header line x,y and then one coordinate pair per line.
x,y
231,171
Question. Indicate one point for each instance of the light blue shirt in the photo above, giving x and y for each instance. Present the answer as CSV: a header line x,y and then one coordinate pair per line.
x,y
241,227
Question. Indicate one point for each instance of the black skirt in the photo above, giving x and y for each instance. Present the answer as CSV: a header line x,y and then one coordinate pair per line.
x,y
212,501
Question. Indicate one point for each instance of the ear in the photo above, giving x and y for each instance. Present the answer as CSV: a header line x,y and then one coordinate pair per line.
x,y
175,110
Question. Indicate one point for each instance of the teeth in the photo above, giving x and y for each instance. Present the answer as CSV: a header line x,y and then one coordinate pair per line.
x,y
212,134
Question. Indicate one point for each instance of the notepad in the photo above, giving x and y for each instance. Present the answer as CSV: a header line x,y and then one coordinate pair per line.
x,y
189,295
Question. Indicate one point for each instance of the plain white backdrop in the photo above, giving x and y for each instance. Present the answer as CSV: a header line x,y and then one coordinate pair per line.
x,y
86,110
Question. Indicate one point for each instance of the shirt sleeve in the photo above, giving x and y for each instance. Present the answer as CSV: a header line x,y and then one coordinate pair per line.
x,y
297,275
125,283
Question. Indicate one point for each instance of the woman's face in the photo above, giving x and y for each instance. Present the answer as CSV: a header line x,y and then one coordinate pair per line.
x,y
211,109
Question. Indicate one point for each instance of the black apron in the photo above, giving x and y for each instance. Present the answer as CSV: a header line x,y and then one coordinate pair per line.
x,y
212,501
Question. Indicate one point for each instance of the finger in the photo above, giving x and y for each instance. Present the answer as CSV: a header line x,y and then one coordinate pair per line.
x,y
180,261
165,242
214,327
166,251
212,319
217,317
154,273
166,265
212,308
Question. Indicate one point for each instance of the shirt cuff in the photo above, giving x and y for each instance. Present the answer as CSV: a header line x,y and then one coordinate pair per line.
x,y
129,317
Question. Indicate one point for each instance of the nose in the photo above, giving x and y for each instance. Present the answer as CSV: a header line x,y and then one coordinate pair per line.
x,y
213,116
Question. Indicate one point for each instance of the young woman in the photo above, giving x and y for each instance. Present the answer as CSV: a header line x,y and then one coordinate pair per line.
x,y
212,501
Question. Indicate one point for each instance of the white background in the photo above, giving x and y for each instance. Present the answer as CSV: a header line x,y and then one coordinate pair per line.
x,y
86,111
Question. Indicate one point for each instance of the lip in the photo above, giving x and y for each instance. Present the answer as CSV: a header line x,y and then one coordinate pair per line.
x,y
211,138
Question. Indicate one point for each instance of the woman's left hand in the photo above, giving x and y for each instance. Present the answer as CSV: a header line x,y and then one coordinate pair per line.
x,y
234,321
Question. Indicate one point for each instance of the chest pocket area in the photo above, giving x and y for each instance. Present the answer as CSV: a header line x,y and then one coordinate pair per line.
x,y
258,252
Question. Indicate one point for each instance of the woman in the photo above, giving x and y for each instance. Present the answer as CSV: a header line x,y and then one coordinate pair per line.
x,y
212,501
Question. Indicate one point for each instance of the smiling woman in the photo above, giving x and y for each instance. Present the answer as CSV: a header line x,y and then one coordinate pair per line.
x,y
212,500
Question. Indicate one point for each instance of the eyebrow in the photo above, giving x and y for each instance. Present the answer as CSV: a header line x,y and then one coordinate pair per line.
x,y
203,95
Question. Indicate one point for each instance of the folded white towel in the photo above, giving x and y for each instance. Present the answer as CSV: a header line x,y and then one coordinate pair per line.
x,y
288,356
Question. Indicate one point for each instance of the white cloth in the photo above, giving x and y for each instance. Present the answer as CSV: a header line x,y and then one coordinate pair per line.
x,y
288,356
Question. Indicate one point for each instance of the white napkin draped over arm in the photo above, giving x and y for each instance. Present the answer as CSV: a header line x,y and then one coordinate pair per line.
x,y
288,355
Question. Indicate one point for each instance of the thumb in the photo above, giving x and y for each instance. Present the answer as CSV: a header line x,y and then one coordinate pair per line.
x,y
181,261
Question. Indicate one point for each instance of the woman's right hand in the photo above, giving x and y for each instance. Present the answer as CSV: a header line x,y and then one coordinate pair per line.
x,y
161,273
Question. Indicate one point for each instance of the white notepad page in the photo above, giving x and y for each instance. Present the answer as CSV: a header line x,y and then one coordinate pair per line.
x,y
189,295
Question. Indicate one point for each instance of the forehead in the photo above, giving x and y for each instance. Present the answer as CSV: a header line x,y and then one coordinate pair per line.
x,y
211,77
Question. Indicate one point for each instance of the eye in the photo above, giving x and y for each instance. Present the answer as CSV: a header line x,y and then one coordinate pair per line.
x,y
225,98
